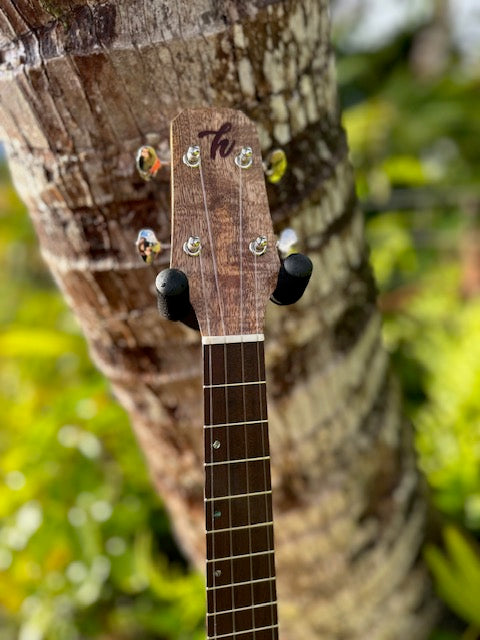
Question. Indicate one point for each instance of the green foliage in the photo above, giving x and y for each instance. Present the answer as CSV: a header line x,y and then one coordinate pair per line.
x,y
85,545
457,572
413,144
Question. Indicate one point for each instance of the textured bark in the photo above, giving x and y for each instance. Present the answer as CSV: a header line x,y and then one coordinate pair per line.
x,y
83,84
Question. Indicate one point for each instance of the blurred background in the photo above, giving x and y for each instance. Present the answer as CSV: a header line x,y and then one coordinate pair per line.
x,y
85,546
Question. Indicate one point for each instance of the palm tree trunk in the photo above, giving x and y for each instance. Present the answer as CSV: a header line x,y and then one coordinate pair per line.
x,y
82,85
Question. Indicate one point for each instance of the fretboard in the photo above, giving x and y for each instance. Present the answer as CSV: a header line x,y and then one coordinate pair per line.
x,y
241,592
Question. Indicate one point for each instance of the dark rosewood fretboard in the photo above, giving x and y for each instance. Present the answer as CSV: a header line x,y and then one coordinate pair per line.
x,y
241,594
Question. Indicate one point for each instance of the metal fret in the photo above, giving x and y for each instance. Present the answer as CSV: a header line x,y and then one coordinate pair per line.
x,y
245,526
234,424
212,464
243,555
239,633
233,384
252,606
239,584
239,495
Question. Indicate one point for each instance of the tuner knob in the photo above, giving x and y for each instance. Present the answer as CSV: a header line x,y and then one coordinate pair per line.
x,y
173,297
293,278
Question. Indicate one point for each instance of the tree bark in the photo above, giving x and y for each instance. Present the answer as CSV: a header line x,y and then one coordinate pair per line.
x,y
83,84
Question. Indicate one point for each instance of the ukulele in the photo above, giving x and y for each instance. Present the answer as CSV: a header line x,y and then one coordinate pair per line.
x,y
224,268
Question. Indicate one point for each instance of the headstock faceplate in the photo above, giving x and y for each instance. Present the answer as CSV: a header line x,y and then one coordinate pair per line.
x,y
226,207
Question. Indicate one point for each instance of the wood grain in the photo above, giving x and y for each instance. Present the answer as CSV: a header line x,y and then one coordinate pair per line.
x,y
227,208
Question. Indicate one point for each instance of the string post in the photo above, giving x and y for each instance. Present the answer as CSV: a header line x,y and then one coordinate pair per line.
x,y
293,278
192,156
192,246
259,245
244,159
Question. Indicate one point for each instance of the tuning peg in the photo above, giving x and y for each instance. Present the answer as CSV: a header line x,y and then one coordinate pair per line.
x,y
148,245
275,165
293,277
173,297
148,163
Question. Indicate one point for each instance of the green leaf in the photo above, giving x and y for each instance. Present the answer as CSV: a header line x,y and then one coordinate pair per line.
x,y
457,575
21,342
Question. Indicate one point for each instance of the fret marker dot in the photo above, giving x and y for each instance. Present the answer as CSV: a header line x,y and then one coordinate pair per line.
x,y
218,573
216,444
217,514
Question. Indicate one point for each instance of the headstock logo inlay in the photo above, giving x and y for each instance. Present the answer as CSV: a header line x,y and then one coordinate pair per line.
x,y
219,143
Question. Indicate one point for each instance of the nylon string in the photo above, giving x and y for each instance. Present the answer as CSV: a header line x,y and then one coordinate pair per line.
x,y
242,356
264,449
214,259
211,471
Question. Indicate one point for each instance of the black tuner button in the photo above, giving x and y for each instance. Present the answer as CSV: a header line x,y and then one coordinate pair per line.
x,y
293,278
173,297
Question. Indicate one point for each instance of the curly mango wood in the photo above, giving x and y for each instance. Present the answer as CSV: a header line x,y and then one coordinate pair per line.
x,y
227,208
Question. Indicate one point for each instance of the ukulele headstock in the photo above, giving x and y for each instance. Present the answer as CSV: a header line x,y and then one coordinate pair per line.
x,y
222,234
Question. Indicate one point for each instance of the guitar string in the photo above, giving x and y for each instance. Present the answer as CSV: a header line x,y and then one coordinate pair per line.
x,y
207,469
226,430
264,450
210,470
245,428
202,277
214,259
204,290
229,483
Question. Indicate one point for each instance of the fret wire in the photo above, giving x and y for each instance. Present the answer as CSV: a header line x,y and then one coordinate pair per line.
x,y
252,606
238,633
234,424
243,555
239,584
233,384
238,495
213,464
245,526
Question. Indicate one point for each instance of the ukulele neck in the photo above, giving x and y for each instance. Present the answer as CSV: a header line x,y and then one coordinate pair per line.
x,y
241,592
